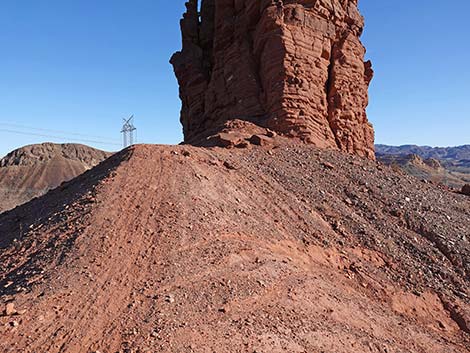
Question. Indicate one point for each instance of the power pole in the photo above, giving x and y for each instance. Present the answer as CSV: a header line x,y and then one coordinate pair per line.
x,y
127,131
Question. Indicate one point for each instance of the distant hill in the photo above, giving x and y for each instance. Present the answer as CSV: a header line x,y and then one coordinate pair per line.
x,y
449,154
446,165
33,170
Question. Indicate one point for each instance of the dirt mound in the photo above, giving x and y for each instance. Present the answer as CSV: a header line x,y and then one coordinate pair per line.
x,y
263,249
33,170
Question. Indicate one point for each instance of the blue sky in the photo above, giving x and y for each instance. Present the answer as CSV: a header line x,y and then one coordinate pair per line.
x,y
78,67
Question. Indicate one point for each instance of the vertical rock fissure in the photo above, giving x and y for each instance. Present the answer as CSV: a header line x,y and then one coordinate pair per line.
x,y
329,98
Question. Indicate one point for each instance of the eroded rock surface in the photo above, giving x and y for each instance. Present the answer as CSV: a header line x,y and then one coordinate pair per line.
x,y
295,67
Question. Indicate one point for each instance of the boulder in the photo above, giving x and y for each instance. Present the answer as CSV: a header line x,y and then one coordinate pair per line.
x,y
261,140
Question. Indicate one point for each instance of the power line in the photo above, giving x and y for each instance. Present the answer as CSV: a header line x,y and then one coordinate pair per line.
x,y
57,131
59,137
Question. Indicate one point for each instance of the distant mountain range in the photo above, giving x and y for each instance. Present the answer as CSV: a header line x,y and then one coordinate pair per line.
x,y
446,165
459,153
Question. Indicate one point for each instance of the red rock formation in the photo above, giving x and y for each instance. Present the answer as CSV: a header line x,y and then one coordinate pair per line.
x,y
295,67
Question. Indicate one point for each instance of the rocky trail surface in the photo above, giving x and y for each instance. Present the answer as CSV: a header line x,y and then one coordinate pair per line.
x,y
283,248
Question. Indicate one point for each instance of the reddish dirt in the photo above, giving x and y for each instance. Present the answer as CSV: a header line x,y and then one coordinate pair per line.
x,y
31,171
282,248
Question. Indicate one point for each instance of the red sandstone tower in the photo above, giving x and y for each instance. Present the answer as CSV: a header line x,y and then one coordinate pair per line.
x,y
296,67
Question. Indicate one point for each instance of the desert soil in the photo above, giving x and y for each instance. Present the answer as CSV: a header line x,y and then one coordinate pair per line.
x,y
265,249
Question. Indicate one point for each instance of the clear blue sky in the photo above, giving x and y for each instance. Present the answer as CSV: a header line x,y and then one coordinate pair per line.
x,y
79,66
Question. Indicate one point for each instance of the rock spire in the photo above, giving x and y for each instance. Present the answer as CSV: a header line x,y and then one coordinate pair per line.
x,y
295,67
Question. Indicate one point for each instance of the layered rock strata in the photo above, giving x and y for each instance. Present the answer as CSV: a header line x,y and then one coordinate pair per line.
x,y
295,67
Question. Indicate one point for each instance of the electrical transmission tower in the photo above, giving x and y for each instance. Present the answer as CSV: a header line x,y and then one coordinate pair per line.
x,y
127,131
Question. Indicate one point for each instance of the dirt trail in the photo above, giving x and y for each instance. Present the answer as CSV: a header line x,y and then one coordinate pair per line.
x,y
287,249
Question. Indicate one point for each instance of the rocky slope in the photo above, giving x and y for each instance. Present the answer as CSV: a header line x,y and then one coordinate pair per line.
x,y
33,170
296,67
445,165
281,248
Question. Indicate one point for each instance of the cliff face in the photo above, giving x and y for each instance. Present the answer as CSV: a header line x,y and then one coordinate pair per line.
x,y
296,67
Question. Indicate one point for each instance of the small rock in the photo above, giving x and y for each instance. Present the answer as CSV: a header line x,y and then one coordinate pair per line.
x,y
271,133
260,140
228,139
170,298
229,165
328,165
243,144
466,189
10,309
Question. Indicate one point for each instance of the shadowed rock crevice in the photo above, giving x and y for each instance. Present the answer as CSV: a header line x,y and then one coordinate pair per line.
x,y
295,67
